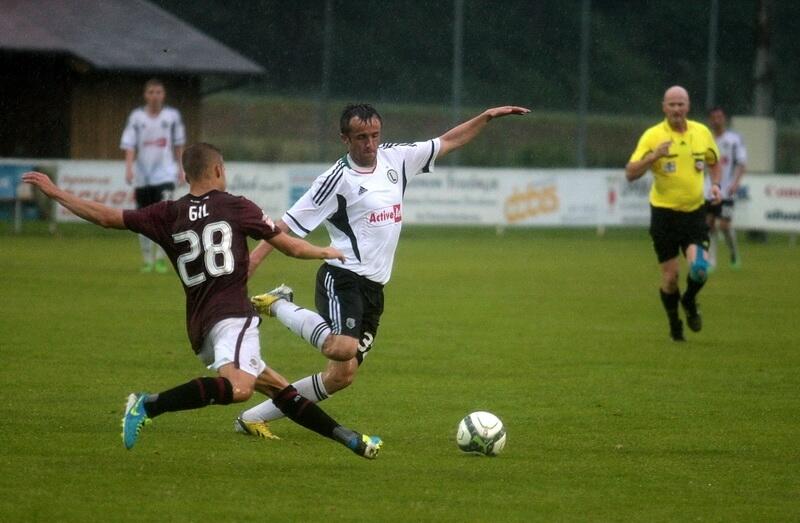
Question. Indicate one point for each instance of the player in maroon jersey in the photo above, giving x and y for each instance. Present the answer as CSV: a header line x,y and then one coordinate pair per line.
x,y
204,234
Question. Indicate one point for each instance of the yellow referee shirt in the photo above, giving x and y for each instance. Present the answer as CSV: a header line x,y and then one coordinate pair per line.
x,y
678,176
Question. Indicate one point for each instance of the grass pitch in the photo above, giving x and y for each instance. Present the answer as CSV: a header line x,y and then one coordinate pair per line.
x,y
560,333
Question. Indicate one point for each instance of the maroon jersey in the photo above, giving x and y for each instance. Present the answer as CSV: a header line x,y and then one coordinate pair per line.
x,y
205,238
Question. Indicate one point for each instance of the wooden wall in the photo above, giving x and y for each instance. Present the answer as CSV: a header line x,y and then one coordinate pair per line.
x,y
101,103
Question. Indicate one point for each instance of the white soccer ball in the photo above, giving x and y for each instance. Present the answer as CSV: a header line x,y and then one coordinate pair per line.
x,y
482,433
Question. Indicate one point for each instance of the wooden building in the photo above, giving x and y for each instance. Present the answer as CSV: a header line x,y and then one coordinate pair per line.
x,y
71,72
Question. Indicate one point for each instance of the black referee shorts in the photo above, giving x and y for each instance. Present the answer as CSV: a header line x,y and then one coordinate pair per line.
x,y
150,194
351,304
673,231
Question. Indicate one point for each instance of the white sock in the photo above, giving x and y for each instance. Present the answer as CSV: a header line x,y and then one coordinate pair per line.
x,y
730,240
712,249
147,248
305,323
310,387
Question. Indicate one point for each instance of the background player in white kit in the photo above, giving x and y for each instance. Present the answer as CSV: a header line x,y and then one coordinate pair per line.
x,y
733,159
153,142
360,201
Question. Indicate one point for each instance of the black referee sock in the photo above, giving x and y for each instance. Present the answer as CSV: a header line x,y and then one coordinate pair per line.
x,y
670,302
197,393
305,413
692,288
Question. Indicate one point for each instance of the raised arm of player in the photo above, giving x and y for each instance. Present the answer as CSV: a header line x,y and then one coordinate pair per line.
x,y
465,132
297,248
88,210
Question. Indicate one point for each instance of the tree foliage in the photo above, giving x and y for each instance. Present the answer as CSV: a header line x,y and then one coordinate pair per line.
x,y
514,51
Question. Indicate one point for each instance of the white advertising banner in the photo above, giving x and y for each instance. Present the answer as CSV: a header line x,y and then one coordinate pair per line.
x,y
516,197
102,182
468,196
770,203
265,184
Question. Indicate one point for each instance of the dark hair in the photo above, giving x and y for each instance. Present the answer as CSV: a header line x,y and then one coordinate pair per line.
x,y
364,112
153,82
717,108
198,158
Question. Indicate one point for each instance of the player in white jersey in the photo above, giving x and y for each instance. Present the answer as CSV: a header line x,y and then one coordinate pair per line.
x,y
360,201
733,159
153,142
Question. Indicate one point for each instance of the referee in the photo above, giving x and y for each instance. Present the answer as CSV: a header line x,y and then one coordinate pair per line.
x,y
678,151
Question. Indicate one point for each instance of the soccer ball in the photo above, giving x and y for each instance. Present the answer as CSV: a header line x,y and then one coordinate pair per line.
x,y
482,433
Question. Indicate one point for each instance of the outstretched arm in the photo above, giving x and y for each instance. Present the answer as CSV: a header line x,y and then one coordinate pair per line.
x,y
465,132
88,210
297,248
262,250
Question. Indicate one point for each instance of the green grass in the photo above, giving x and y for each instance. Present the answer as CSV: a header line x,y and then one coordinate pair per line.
x,y
558,332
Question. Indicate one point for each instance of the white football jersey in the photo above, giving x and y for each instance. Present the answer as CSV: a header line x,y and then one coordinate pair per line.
x,y
154,138
363,212
732,153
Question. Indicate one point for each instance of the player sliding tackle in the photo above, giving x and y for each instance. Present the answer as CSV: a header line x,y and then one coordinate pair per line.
x,y
204,234
360,201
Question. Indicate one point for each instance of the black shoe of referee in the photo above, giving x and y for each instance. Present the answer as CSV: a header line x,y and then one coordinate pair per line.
x,y
693,318
676,330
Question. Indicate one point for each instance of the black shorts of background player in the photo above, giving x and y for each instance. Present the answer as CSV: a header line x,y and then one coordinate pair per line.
x,y
150,194
720,219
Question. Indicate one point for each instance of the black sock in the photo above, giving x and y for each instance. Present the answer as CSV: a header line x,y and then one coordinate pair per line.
x,y
305,413
191,395
670,302
692,288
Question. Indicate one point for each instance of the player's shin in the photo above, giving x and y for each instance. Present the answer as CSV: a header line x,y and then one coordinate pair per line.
x,y
304,412
733,246
311,387
670,302
305,323
194,394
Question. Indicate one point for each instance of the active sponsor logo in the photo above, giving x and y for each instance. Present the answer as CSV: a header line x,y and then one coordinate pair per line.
x,y
158,142
386,215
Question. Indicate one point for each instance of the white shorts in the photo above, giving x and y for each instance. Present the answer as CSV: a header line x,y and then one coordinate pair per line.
x,y
233,340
